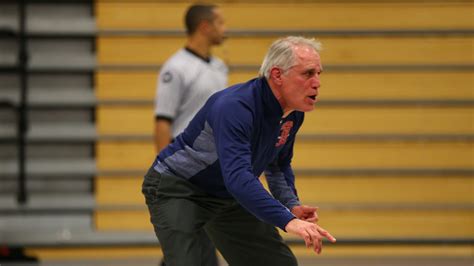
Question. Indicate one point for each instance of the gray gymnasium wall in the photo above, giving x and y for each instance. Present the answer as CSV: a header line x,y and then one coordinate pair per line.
x,y
61,135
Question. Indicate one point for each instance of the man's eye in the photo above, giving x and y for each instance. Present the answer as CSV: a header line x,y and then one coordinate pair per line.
x,y
309,74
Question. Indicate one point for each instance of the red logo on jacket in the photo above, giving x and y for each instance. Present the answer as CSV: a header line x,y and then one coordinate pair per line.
x,y
284,133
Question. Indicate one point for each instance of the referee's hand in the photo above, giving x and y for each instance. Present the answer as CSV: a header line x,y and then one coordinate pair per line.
x,y
312,233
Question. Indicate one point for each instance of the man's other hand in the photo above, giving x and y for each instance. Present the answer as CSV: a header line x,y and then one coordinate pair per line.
x,y
305,213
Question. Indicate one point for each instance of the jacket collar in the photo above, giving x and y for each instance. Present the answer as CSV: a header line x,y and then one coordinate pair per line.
x,y
271,105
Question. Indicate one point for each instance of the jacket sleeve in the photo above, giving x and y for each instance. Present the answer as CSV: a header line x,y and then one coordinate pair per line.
x,y
281,179
231,122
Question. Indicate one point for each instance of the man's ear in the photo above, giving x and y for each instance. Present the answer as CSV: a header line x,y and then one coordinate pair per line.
x,y
275,75
204,26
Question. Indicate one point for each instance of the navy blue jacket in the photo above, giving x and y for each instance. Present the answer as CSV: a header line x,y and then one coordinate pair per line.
x,y
238,134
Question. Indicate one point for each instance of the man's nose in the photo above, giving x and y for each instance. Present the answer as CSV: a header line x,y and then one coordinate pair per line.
x,y
316,83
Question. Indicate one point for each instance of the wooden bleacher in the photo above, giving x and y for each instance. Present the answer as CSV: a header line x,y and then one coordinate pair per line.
x,y
326,119
387,154
401,85
339,50
280,15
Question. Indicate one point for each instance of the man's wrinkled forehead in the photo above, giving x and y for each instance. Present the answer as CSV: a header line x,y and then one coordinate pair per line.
x,y
304,55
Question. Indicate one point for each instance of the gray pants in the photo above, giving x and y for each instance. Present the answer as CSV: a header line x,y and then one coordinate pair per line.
x,y
183,216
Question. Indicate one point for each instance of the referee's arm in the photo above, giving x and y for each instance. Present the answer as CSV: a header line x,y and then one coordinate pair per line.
x,y
167,101
162,132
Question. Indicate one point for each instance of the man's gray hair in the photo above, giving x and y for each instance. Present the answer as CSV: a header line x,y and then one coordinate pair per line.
x,y
281,53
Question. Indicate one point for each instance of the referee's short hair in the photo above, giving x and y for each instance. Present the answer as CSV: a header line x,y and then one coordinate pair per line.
x,y
196,14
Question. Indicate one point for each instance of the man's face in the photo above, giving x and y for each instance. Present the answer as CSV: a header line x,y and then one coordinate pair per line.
x,y
217,28
301,82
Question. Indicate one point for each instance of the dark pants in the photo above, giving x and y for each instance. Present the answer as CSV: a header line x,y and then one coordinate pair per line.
x,y
183,215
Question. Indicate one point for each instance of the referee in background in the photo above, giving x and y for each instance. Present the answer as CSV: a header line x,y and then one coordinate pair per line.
x,y
186,81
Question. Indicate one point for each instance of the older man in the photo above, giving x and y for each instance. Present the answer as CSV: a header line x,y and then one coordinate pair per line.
x,y
206,181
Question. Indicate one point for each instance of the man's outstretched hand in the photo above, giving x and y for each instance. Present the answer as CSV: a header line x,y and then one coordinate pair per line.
x,y
312,233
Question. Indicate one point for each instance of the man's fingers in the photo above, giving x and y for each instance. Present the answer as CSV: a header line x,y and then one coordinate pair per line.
x,y
309,208
311,233
317,239
307,239
326,234
316,214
